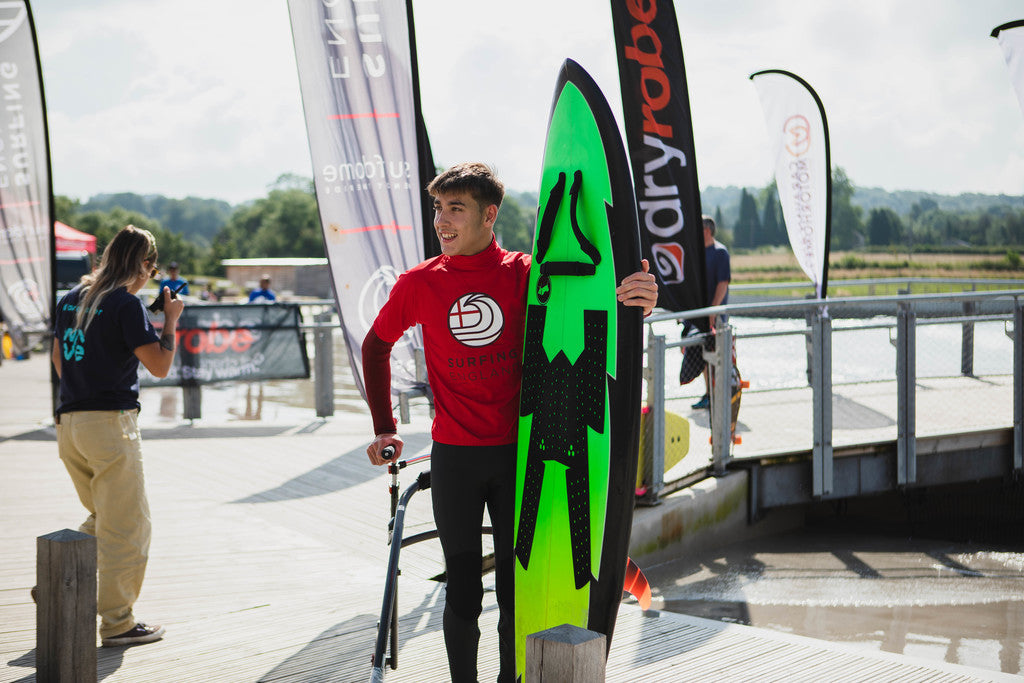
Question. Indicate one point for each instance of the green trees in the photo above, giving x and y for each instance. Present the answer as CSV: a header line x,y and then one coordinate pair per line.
x,y
516,222
284,223
847,224
884,227
748,226
773,226
196,219
722,232
199,233
172,246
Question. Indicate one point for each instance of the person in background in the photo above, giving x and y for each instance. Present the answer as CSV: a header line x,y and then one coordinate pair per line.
x,y
173,280
473,458
263,293
101,332
716,258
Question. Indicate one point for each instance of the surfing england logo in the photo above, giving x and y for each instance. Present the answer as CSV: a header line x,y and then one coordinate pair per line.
x,y
475,319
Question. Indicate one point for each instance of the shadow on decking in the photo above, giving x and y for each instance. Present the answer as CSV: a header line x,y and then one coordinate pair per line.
x,y
346,470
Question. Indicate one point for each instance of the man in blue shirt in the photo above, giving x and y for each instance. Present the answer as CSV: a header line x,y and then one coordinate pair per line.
x,y
262,294
173,281
716,258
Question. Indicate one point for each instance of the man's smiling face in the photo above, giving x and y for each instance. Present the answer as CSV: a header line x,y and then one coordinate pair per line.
x,y
463,227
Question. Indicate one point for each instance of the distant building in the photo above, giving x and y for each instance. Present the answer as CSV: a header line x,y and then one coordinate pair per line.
x,y
290,277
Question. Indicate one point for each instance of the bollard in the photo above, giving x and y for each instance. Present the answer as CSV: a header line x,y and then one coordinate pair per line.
x,y
66,607
323,359
192,401
565,654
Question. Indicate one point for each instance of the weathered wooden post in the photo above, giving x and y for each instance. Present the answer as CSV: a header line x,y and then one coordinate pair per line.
x,y
192,400
565,654
66,607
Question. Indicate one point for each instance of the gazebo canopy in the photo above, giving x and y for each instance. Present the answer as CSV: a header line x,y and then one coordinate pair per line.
x,y
69,239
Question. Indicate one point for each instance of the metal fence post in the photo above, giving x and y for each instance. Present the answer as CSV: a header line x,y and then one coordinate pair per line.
x,y
967,341
404,397
323,365
809,319
821,387
652,462
1018,386
906,379
721,399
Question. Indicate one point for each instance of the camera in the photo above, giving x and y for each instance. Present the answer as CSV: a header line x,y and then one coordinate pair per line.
x,y
158,301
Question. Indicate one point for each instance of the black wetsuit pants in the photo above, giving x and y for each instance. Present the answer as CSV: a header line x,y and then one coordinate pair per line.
x,y
463,479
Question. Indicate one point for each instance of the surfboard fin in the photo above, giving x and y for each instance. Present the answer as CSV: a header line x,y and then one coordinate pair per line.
x,y
636,584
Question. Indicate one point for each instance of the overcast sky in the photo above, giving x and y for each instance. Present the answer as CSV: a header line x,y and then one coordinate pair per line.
x,y
201,97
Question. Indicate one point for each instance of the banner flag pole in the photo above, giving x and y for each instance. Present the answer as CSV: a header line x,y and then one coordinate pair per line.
x,y
1011,39
798,134
357,75
659,136
27,272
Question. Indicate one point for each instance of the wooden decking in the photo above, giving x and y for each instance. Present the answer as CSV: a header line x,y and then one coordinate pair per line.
x,y
268,556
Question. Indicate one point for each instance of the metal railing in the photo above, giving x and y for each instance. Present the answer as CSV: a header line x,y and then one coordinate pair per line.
x,y
818,334
961,308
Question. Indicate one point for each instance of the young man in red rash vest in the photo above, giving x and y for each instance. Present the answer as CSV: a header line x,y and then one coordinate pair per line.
x,y
471,304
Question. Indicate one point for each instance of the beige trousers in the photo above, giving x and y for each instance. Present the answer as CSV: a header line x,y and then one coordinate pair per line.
x,y
102,451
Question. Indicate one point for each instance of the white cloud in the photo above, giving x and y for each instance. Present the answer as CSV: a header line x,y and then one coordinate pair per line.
x,y
201,96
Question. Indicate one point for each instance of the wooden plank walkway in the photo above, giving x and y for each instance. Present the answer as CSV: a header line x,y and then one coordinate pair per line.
x,y
268,556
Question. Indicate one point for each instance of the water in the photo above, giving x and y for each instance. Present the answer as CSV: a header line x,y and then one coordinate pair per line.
x,y
955,602
858,355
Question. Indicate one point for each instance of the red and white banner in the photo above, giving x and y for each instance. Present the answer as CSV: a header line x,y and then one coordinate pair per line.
x,y
659,135
798,134
26,195
357,74
1011,40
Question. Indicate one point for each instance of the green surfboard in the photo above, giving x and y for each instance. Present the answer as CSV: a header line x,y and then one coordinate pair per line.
x,y
582,362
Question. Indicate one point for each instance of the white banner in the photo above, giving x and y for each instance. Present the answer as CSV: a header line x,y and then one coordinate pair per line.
x,y
1011,40
26,202
356,74
798,133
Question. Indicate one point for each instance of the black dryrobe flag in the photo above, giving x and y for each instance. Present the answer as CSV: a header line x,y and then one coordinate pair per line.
x,y
659,135
26,196
357,73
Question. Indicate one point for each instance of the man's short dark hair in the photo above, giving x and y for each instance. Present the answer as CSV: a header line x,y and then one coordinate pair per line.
x,y
472,177
709,223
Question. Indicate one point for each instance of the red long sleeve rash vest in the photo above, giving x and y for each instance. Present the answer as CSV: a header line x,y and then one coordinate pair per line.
x,y
472,310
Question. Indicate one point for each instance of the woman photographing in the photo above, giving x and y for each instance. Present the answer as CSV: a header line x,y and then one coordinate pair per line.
x,y
101,334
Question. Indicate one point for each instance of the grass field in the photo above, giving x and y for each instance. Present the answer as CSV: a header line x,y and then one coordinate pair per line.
x,y
781,266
